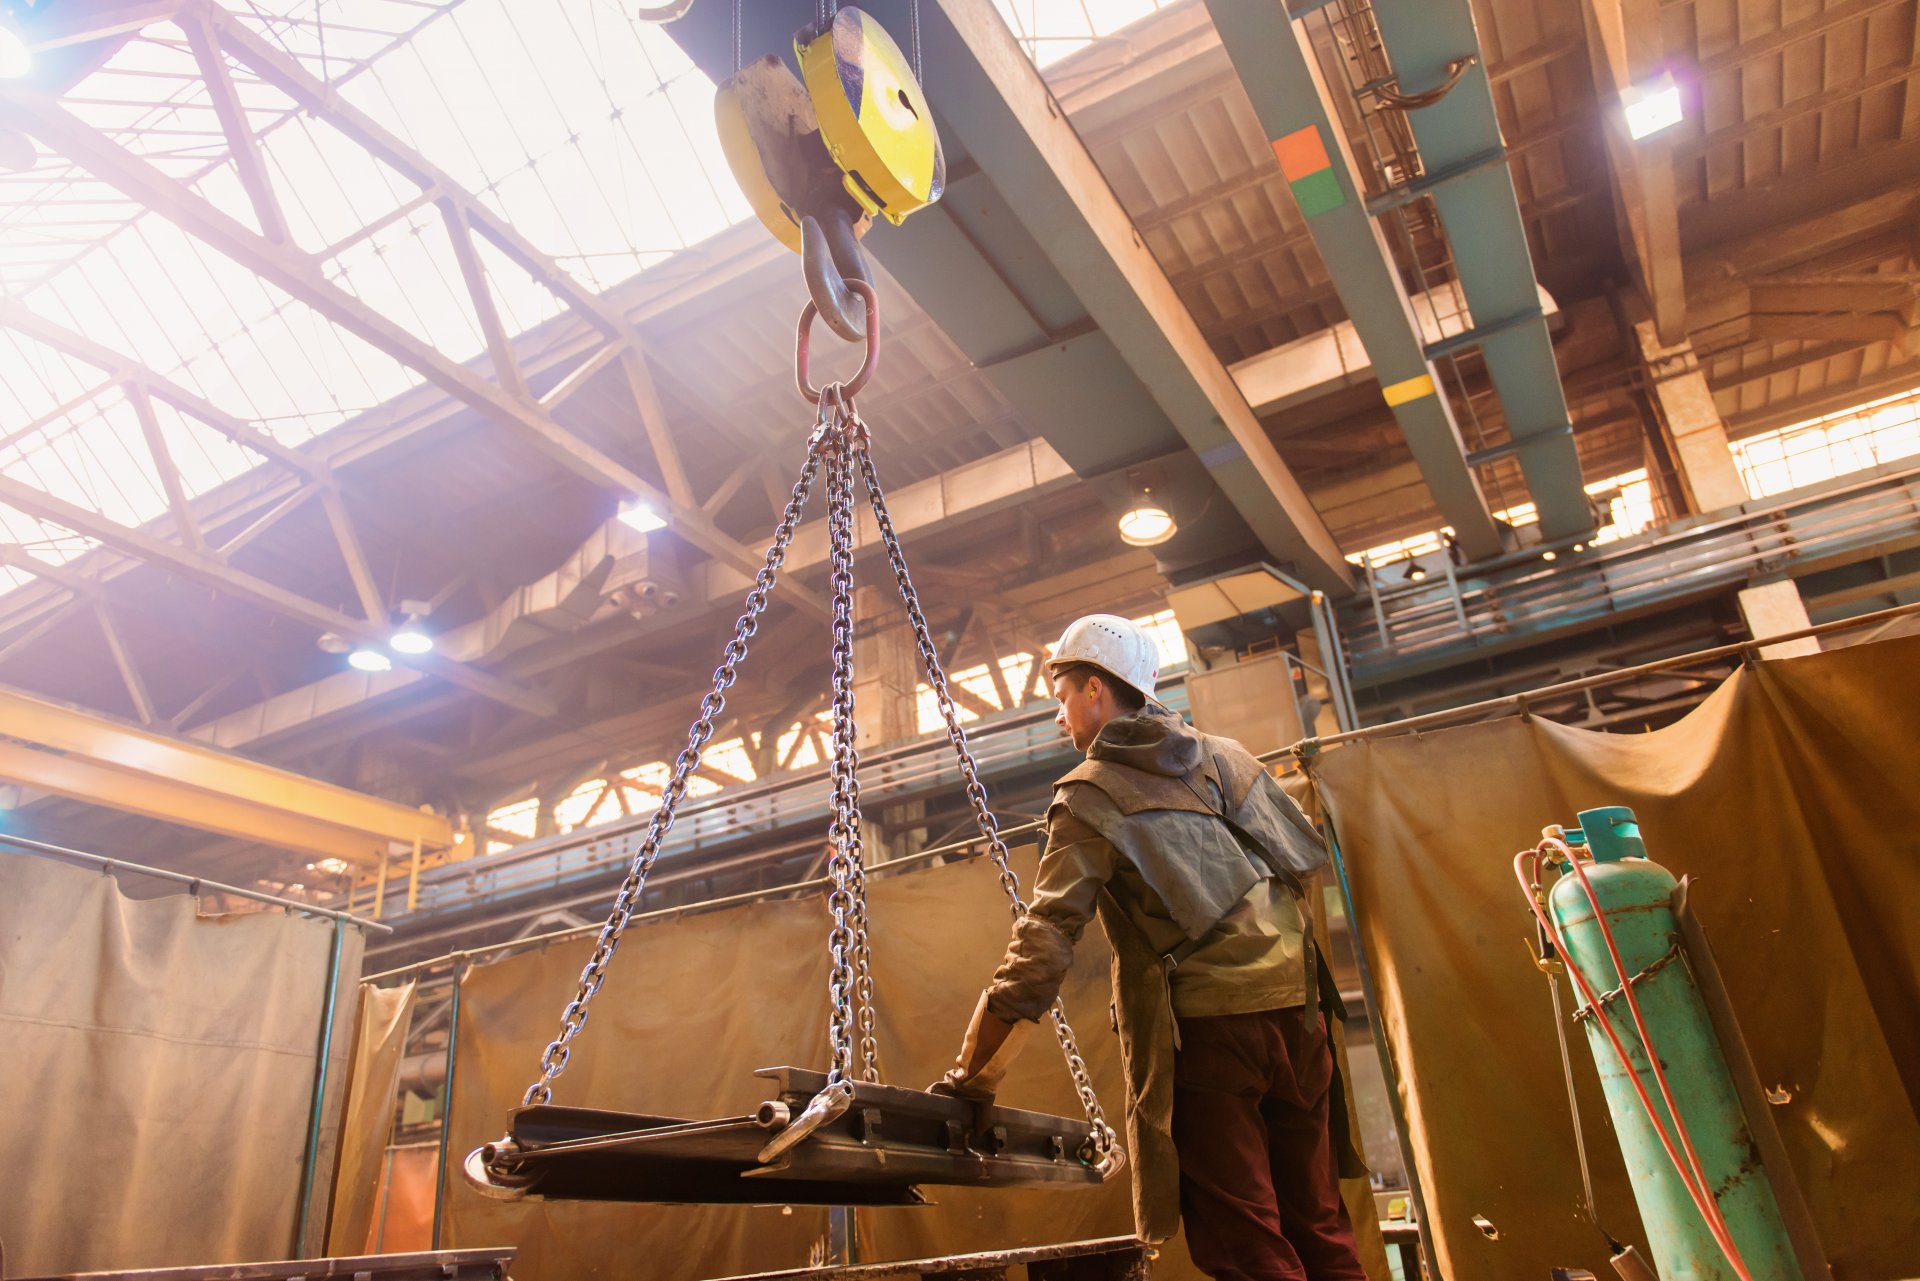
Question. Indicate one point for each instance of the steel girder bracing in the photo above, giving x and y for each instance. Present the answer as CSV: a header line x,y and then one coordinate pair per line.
x,y
1033,268
218,40
1471,186
1276,65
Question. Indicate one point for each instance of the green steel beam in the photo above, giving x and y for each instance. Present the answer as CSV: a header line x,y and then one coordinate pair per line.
x,y
1457,136
1033,268
1275,64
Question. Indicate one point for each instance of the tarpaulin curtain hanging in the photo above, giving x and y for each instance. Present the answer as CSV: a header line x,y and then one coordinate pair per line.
x,y
1791,796
708,998
160,1073
378,1046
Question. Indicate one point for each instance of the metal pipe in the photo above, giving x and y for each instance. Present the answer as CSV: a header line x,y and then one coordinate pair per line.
x,y
1311,746
1335,654
446,1109
1373,594
311,1163
1401,1126
1453,592
197,882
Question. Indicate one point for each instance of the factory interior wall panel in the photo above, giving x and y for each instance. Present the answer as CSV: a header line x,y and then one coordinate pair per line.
x,y
367,1123
659,1042
1789,796
160,1067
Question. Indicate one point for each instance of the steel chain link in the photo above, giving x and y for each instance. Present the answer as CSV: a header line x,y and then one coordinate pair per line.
x,y
1102,1138
843,902
840,442
574,1016
864,1017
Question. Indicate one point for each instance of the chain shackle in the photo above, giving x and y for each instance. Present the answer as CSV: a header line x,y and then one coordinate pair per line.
x,y
574,1016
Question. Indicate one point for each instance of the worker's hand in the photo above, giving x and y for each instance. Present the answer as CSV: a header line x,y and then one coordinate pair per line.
x,y
958,1085
986,1053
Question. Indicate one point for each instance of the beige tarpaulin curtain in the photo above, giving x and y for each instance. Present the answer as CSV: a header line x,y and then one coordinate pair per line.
x,y
378,1045
694,1005
160,1071
1791,795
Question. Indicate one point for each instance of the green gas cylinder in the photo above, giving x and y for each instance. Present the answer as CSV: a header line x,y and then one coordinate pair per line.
x,y
1635,893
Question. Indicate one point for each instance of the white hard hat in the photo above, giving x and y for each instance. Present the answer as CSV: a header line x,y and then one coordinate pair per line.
x,y
1116,645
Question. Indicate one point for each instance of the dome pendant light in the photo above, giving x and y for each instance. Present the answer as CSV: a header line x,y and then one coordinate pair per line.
x,y
1146,523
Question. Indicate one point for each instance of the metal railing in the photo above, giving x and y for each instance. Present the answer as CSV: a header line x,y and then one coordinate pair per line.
x,y
1433,621
1003,744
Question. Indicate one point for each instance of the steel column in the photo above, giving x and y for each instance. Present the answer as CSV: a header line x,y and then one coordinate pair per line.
x,y
446,1101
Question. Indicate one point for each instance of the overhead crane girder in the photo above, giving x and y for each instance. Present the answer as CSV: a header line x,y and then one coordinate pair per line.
x,y
52,748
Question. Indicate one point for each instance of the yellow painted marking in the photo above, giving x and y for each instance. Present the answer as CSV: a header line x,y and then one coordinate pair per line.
x,y
1412,389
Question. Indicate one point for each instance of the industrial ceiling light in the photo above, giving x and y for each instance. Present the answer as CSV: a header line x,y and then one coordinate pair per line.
x,y
638,514
1651,105
369,660
1415,571
410,639
16,60
1146,523
1548,555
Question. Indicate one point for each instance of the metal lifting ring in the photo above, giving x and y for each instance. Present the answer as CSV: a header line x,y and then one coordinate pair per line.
x,y
803,345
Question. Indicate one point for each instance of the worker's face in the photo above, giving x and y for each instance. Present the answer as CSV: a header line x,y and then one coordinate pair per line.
x,y
1084,709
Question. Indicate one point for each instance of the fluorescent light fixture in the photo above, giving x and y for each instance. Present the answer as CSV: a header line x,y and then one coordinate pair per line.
x,y
369,660
1146,523
16,60
411,640
641,516
1651,105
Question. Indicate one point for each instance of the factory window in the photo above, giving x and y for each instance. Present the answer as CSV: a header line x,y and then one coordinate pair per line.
x,y
1050,30
1630,510
1851,440
586,128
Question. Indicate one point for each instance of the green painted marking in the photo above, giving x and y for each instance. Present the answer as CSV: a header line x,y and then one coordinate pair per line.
x,y
1318,192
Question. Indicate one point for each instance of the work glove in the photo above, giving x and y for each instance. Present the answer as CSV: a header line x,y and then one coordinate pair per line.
x,y
989,1049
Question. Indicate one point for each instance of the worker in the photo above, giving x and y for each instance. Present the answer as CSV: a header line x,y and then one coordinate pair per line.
x,y
1192,856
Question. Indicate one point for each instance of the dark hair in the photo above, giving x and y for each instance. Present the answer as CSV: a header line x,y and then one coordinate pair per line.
x,y
1078,674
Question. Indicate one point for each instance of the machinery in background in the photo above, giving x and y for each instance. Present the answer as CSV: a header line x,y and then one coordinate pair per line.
x,y
1709,1173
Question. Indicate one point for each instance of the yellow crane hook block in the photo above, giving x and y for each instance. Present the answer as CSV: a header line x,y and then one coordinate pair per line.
x,y
772,144
872,114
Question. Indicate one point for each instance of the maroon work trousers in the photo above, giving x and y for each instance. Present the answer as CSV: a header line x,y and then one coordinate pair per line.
x,y
1259,1181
